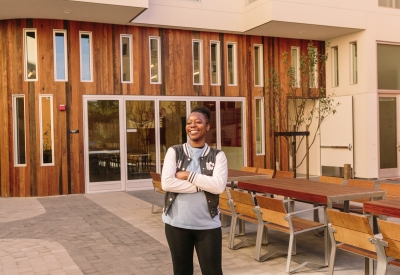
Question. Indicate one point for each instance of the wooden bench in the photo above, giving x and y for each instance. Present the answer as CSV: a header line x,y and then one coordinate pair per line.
x,y
156,179
392,190
242,205
388,246
351,233
284,174
224,208
271,213
269,172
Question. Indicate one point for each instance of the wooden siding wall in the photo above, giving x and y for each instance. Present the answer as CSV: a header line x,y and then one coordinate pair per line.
x,y
67,175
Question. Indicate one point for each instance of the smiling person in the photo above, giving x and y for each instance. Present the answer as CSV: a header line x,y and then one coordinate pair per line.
x,y
193,176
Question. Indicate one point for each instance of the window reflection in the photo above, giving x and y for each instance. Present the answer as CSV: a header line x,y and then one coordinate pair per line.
x,y
231,64
30,55
19,130
215,66
86,67
60,56
126,58
46,129
103,143
155,60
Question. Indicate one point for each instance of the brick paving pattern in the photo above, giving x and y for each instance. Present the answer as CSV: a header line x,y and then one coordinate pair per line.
x,y
116,233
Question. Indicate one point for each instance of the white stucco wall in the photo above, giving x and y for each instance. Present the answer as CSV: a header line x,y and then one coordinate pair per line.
x,y
380,28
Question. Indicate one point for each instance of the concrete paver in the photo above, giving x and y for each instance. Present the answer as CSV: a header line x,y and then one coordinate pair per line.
x,y
116,233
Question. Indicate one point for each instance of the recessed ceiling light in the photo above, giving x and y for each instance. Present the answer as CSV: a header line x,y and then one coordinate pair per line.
x,y
67,11
301,31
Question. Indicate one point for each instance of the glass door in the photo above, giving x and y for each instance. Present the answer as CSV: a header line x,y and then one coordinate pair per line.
x,y
102,136
172,125
389,137
140,138
231,132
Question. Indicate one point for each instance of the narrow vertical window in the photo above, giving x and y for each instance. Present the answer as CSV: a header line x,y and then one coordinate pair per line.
x,y
260,138
46,129
86,56
335,67
313,68
353,63
126,59
30,55
60,55
295,66
215,60
232,67
155,60
19,130
197,53
258,65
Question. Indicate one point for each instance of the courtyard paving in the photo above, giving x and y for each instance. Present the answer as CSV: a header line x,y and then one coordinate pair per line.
x,y
116,233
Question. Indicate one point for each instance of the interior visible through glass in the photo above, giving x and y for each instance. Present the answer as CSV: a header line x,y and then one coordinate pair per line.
x,y
388,132
46,129
140,138
104,140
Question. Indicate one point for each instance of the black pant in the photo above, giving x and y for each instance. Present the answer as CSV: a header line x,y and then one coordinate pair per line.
x,y
208,244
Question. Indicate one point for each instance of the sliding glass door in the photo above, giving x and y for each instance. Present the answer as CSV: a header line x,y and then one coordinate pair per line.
x,y
127,137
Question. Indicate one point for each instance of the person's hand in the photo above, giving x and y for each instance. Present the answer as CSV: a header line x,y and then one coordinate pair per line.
x,y
182,175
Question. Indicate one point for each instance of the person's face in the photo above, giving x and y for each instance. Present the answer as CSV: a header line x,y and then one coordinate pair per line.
x,y
197,127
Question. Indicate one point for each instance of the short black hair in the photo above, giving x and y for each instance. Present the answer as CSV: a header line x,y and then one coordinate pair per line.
x,y
203,110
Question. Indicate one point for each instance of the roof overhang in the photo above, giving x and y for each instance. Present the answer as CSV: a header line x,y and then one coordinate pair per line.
x,y
300,31
99,11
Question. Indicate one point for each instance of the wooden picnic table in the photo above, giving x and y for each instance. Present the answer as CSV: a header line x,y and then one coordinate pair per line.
x,y
313,192
387,207
239,175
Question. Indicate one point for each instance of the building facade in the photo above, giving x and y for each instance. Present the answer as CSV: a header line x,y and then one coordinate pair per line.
x,y
94,92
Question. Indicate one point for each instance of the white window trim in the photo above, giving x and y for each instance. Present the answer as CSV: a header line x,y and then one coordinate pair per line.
x,y
234,53
26,55
335,67
15,126
262,122
352,81
261,65
158,59
297,70
41,130
218,63
130,58
65,55
200,61
90,55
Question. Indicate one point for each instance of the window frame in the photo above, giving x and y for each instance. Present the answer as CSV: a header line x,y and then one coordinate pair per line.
x,y
217,62
353,63
90,55
129,37
15,130
42,163
260,65
158,59
335,66
64,32
261,123
201,75
393,4
297,67
28,54
234,63
314,84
